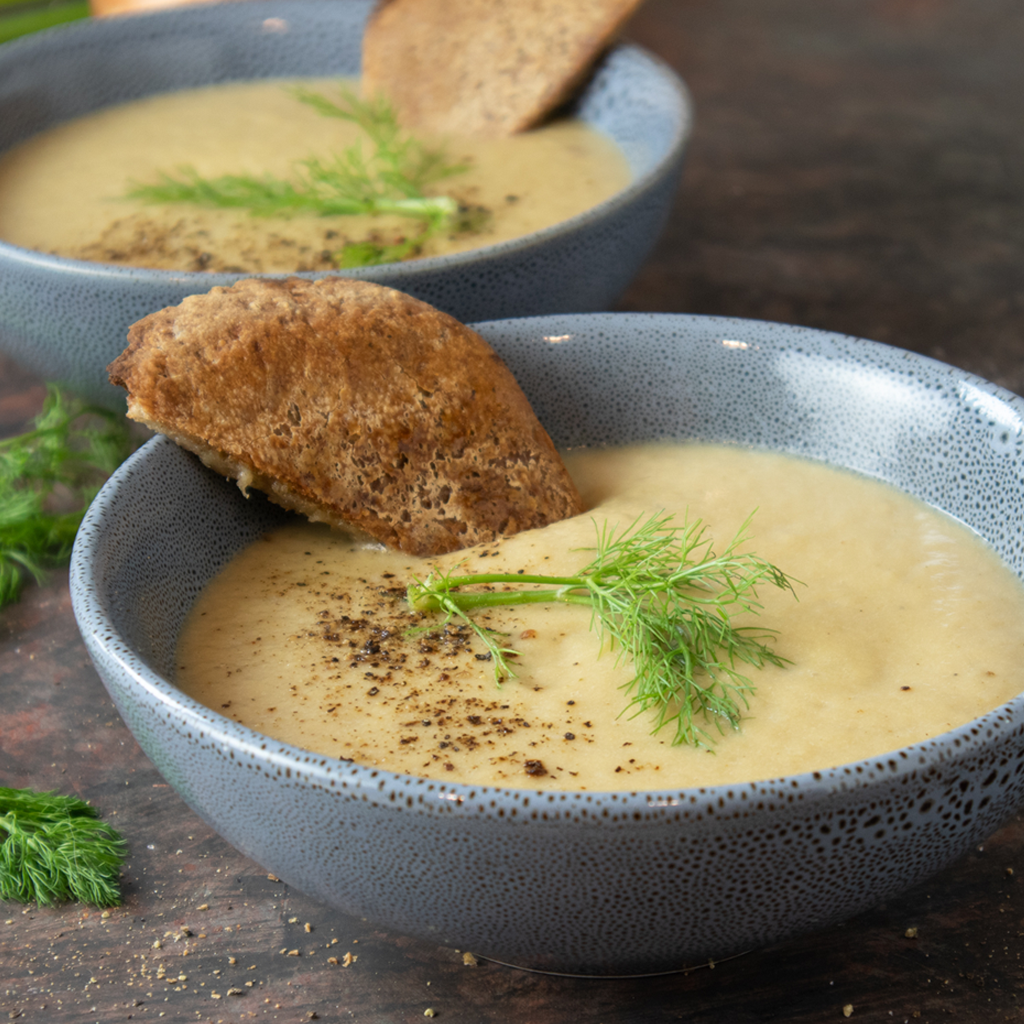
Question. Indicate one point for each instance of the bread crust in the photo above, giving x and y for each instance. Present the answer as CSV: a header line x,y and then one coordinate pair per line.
x,y
353,403
485,68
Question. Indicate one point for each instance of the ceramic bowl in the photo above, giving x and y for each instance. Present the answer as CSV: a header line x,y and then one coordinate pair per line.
x,y
550,881
67,319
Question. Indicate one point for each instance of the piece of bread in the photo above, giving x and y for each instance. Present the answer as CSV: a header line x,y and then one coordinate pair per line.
x,y
485,68
353,403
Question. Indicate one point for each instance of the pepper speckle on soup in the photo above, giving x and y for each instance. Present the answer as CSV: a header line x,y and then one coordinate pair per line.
x,y
906,626
64,191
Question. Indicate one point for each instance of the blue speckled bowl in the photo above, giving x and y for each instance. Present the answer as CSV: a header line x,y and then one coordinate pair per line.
x,y
67,319
593,883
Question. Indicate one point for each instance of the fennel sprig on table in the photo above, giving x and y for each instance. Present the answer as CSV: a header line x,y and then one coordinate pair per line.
x,y
54,848
661,597
392,176
48,476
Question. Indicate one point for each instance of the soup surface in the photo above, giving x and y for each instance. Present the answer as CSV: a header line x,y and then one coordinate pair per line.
x,y
62,191
906,625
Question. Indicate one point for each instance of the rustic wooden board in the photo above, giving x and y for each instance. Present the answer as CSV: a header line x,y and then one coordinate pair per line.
x,y
856,167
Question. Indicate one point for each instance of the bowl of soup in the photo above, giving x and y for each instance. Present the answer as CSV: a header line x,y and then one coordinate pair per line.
x,y
553,220
547,822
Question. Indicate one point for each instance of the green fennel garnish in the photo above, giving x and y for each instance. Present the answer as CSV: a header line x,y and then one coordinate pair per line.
x,y
54,848
658,594
48,476
392,178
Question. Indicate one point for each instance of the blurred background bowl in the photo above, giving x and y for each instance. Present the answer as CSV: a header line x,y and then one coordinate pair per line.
x,y
66,319
586,882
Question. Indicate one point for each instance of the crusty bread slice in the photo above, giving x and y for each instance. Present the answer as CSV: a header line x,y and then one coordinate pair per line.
x,y
353,403
485,68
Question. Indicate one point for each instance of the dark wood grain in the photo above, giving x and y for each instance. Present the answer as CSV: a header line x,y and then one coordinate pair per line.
x,y
856,167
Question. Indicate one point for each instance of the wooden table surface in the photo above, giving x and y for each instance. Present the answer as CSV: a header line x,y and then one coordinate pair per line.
x,y
855,166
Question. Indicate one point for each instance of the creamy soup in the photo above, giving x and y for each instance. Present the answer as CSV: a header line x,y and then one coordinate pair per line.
x,y
906,625
62,191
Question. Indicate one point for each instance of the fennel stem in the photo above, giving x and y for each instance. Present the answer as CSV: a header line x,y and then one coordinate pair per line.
x,y
659,594
392,178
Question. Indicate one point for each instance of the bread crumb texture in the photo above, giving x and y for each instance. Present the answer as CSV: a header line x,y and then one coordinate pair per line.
x,y
484,68
352,403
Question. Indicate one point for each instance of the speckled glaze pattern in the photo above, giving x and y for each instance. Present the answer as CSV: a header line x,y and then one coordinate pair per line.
x,y
67,319
590,883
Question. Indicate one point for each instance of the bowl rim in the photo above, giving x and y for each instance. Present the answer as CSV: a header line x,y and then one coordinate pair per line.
x,y
407,271
732,799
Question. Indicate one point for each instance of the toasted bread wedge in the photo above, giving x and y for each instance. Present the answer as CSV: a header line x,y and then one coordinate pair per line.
x,y
485,68
353,403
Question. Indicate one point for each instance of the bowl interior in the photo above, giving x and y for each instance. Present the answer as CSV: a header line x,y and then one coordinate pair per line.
x,y
164,525
64,73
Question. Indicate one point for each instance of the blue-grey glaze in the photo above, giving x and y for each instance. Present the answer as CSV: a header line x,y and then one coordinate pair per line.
x,y
67,319
598,883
